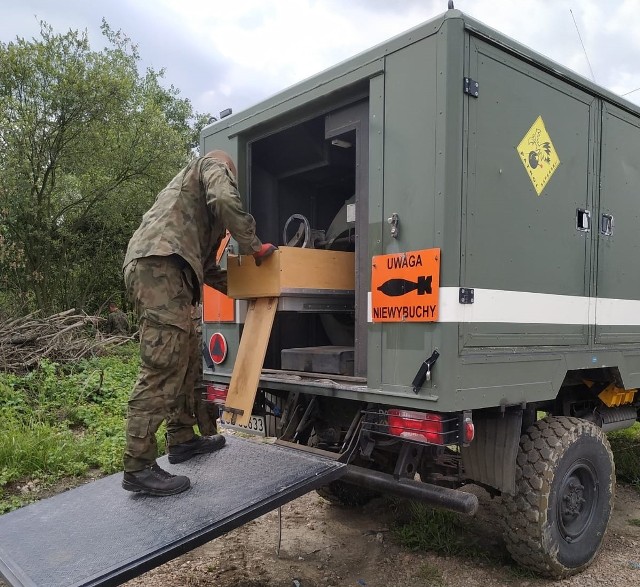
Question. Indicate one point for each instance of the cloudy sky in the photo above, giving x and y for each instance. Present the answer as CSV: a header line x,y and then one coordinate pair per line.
x,y
233,54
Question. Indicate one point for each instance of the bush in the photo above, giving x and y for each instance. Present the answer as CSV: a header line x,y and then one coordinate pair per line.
x,y
626,451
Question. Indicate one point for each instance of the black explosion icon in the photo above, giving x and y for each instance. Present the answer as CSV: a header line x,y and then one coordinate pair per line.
x,y
541,152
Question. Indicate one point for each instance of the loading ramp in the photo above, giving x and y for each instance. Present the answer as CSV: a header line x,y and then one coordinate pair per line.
x,y
99,534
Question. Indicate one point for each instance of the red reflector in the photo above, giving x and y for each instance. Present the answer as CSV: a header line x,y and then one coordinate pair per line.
x,y
469,432
416,425
216,394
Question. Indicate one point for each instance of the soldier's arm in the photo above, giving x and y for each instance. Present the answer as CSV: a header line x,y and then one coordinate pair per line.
x,y
214,275
224,201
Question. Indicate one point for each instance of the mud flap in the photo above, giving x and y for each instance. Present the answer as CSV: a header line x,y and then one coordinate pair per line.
x,y
99,534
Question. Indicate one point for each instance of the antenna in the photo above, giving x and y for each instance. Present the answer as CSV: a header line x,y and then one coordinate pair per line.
x,y
593,77
631,92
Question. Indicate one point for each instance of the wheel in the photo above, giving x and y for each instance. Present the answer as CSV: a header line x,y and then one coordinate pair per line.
x,y
565,481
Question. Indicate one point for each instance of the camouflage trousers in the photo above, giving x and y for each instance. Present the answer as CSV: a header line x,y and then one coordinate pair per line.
x,y
162,293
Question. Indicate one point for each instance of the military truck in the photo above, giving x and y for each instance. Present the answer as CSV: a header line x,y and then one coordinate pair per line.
x,y
490,329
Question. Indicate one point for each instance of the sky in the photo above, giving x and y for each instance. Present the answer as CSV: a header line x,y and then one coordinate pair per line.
x,y
234,54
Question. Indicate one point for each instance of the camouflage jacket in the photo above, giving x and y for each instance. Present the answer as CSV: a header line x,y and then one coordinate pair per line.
x,y
190,217
117,323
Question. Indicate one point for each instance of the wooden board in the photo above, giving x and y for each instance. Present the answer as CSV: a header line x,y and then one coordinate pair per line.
x,y
248,365
290,268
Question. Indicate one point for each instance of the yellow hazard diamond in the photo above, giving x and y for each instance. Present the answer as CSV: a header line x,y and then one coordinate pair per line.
x,y
538,155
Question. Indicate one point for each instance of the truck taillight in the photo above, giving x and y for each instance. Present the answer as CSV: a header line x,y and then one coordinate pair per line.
x,y
420,426
216,394
468,430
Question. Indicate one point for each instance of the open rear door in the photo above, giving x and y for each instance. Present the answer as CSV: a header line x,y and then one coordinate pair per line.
x,y
99,534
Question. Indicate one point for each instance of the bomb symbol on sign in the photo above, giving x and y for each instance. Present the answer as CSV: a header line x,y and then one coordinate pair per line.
x,y
399,287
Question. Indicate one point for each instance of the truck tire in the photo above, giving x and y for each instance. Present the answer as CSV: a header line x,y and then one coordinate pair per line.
x,y
565,482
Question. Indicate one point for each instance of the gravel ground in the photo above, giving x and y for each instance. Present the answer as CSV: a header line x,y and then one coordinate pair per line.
x,y
326,545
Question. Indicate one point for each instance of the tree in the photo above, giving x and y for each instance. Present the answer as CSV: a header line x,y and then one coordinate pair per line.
x,y
86,142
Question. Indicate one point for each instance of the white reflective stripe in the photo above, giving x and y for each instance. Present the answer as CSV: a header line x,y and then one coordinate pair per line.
x,y
514,307
522,307
612,312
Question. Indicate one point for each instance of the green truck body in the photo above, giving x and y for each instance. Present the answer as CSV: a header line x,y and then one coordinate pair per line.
x,y
523,178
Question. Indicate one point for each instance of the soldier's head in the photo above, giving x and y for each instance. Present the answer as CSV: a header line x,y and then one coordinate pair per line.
x,y
224,158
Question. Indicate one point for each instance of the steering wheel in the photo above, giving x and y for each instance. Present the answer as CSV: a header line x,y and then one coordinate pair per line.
x,y
304,228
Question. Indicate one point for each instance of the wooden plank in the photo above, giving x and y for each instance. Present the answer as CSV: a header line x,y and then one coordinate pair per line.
x,y
290,268
317,269
245,280
248,365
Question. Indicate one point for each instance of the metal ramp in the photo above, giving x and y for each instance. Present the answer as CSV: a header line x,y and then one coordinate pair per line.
x,y
99,534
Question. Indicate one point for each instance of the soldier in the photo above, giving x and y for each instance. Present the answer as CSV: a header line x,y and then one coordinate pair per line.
x,y
117,322
205,412
169,257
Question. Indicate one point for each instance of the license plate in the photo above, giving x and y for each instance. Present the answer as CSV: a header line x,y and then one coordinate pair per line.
x,y
255,426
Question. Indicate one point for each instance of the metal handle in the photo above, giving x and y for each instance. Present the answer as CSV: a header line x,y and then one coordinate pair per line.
x,y
606,225
583,220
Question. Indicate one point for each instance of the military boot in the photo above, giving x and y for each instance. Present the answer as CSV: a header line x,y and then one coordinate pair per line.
x,y
155,481
198,445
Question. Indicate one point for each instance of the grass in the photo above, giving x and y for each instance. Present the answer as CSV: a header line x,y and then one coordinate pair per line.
x,y
440,531
625,445
64,421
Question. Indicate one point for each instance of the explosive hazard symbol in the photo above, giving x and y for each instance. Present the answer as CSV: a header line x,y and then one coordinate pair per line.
x,y
405,286
538,155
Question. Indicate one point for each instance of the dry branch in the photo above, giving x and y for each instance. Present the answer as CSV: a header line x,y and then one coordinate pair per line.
x,y
63,337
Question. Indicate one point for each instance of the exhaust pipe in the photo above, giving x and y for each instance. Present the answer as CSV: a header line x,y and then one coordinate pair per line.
x,y
434,495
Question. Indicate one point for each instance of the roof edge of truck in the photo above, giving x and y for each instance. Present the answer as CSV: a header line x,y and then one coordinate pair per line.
x,y
419,32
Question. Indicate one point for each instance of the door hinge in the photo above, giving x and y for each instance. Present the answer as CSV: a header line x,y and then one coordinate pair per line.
x,y
471,87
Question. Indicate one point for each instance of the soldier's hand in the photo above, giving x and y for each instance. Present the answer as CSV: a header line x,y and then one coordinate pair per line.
x,y
265,251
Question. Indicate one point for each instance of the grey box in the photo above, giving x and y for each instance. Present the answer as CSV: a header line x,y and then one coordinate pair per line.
x,y
336,360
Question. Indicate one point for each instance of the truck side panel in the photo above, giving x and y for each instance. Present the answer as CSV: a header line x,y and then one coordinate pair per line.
x,y
525,256
619,249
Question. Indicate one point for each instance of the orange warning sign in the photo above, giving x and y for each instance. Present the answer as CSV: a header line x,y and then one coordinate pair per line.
x,y
216,307
405,286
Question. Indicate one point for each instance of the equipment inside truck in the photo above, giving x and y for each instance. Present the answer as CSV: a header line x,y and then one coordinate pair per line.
x,y
307,188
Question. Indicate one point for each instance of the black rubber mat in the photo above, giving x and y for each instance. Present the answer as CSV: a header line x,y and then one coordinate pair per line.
x,y
99,534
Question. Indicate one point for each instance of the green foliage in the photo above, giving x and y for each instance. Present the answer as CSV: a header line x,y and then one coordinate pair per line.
x,y
86,142
625,445
60,421
439,531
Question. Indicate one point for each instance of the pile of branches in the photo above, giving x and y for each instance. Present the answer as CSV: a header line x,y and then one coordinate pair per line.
x,y
64,337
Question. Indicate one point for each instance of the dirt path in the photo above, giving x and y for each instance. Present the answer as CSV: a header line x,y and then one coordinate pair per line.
x,y
325,545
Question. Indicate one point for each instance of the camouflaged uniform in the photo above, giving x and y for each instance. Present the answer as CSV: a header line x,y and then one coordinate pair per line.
x,y
205,412
169,256
117,323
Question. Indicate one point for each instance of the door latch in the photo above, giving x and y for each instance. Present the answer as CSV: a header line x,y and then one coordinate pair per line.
x,y
583,220
393,222
424,373
606,225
